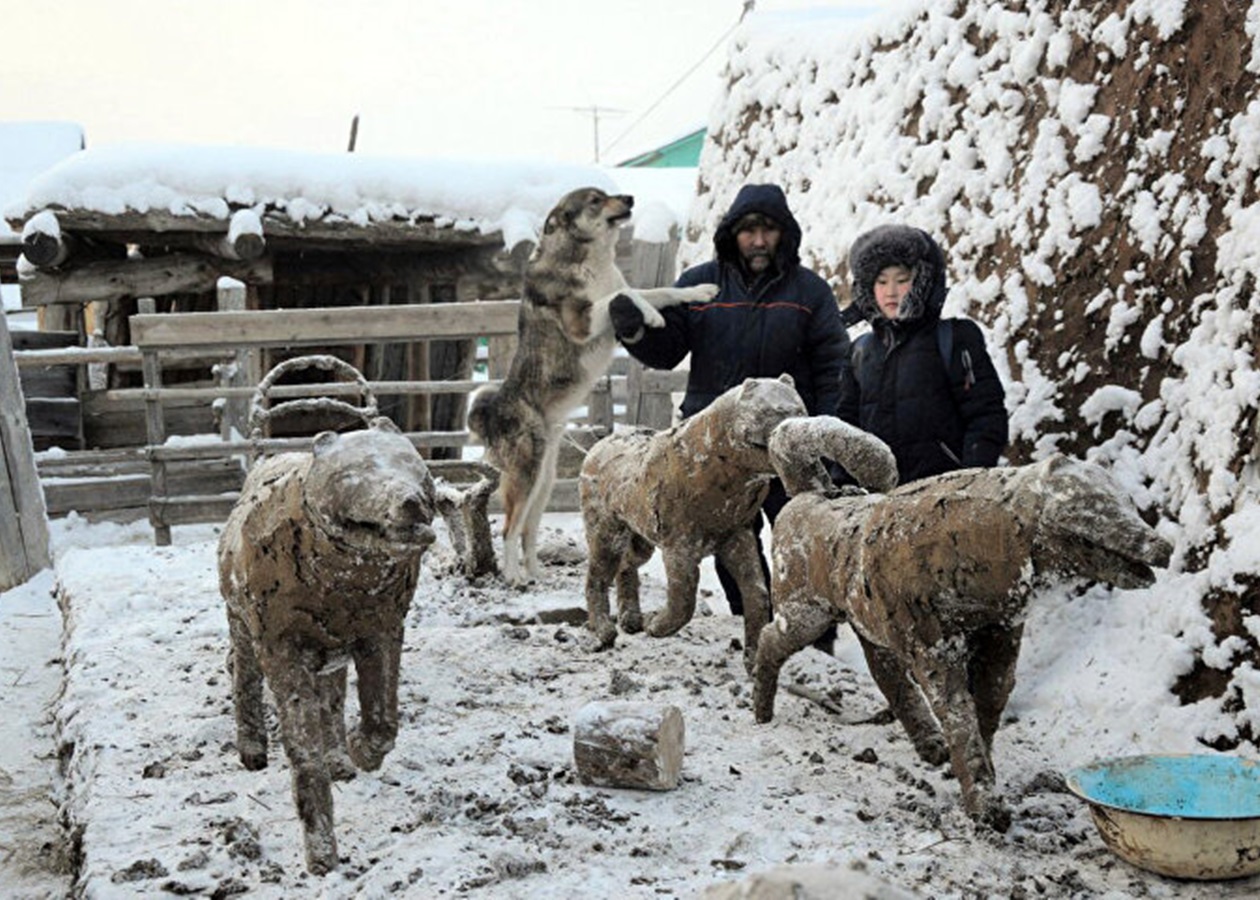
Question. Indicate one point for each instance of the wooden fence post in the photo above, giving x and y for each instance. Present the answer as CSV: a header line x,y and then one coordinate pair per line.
x,y
23,520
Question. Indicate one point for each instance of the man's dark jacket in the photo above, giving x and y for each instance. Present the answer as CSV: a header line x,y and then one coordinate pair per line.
x,y
936,415
786,320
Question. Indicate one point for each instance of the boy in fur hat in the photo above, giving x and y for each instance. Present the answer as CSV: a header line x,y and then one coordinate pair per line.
x,y
924,385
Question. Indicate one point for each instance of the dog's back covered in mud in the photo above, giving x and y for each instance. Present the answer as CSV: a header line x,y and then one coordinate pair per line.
x,y
564,343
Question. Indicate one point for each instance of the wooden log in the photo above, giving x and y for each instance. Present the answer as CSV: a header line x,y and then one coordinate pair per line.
x,y
43,243
115,279
243,242
628,745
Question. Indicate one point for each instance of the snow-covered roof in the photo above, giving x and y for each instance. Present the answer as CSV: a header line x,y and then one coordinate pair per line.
x,y
198,182
26,149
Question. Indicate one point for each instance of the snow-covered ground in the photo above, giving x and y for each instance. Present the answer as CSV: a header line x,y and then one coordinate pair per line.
x,y
480,798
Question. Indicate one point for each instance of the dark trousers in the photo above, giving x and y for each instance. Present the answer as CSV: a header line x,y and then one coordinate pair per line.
x,y
775,500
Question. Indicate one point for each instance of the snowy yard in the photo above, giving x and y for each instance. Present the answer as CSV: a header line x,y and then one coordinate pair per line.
x,y
480,798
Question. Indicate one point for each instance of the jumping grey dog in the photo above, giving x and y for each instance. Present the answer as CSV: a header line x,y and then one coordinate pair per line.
x,y
564,343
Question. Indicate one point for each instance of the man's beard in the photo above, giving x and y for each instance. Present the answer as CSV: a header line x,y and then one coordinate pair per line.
x,y
756,263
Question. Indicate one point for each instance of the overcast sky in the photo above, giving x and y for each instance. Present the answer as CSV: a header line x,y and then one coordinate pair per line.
x,y
457,78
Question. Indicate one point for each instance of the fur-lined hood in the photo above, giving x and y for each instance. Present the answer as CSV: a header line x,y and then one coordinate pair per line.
x,y
769,200
898,245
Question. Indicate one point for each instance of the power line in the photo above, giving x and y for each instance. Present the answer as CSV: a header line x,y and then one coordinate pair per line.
x,y
748,6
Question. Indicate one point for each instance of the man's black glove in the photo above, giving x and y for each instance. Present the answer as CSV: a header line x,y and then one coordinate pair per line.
x,y
627,319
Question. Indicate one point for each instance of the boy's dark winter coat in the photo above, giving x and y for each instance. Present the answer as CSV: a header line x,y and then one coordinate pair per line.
x,y
786,321
936,418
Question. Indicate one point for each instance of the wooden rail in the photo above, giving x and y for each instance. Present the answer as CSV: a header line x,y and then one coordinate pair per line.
x,y
159,337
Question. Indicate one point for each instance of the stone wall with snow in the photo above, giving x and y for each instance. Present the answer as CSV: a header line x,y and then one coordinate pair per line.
x,y
1091,169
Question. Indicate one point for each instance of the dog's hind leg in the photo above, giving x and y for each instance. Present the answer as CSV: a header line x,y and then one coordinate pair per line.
x,y
740,557
291,674
906,702
991,674
602,561
536,502
520,478
247,696
795,626
629,613
682,579
943,675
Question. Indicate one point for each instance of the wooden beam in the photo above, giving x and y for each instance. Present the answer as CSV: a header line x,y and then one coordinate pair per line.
x,y
113,280
23,519
331,227
325,326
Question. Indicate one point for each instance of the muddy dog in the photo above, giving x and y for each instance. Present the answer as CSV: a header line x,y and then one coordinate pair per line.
x,y
934,578
693,490
318,562
565,342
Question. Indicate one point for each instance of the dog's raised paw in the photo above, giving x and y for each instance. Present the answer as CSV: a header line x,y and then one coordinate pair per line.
x,y
702,292
652,319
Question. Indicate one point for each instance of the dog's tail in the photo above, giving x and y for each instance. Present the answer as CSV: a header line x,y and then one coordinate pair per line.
x,y
480,409
798,445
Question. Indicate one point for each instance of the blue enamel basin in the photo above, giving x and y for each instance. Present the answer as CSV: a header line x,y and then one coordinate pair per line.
x,y
1184,815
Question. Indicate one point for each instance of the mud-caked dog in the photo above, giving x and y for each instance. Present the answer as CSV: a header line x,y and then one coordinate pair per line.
x,y
934,578
693,490
318,563
564,343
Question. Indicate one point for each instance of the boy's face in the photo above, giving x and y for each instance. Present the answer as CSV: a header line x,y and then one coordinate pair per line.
x,y
891,285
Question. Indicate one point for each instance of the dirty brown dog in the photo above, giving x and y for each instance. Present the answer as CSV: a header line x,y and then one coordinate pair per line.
x,y
565,342
934,578
694,491
318,562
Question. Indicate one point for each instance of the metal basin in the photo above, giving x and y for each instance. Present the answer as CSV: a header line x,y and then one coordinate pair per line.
x,y
1182,815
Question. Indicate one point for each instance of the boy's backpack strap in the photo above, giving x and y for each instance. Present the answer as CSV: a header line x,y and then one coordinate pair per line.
x,y
857,356
945,344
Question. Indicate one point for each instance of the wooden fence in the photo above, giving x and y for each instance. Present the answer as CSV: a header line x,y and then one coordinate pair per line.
x,y
196,479
23,523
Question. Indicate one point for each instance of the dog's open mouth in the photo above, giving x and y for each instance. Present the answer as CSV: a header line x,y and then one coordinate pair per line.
x,y
618,218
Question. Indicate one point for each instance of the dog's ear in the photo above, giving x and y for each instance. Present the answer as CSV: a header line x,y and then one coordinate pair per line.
x,y
552,223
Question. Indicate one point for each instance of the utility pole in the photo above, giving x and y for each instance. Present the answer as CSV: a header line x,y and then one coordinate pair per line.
x,y
595,111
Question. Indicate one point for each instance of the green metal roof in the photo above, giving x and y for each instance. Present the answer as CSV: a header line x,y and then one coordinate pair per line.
x,y
682,153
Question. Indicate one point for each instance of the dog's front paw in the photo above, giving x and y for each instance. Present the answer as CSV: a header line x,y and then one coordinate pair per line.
x,y
367,752
600,635
631,622
661,624
652,318
702,292
340,766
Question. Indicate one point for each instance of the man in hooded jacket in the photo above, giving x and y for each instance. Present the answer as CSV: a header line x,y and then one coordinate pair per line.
x,y
771,316
924,385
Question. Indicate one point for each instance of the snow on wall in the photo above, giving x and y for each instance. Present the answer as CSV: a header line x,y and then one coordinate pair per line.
x,y
1091,170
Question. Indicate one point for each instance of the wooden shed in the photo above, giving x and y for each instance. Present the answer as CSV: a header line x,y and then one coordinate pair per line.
x,y
163,230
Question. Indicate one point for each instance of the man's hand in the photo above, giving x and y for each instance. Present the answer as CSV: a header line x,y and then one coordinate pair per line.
x,y
627,319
